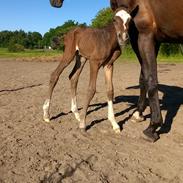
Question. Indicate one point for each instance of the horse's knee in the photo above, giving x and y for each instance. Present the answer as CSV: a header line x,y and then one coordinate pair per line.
x,y
152,86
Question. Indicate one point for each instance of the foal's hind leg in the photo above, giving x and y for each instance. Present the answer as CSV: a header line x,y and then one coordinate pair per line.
x,y
94,67
53,81
110,95
74,76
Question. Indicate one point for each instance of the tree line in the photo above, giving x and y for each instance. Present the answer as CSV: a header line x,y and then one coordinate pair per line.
x,y
19,40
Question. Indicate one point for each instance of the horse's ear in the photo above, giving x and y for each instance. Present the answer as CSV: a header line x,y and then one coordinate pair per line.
x,y
114,4
134,11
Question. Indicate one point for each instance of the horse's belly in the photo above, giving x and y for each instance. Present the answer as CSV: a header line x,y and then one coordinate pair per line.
x,y
170,33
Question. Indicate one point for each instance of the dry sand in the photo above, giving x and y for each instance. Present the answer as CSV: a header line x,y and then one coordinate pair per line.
x,y
32,151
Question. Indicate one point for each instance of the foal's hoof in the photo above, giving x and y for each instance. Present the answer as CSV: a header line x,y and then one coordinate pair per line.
x,y
83,130
137,118
47,120
117,130
77,118
82,126
150,136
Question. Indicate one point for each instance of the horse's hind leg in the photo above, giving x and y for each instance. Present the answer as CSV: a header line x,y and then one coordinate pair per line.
x,y
65,61
110,94
74,76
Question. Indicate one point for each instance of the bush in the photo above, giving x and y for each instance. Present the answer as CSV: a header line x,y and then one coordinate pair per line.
x,y
15,48
168,49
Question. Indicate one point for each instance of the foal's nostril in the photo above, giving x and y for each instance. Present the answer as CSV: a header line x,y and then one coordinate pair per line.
x,y
125,36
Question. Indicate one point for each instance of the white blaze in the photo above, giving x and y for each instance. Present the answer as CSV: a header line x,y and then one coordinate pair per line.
x,y
124,16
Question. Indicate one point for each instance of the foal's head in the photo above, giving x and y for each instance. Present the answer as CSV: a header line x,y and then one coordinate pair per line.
x,y
121,23
56,3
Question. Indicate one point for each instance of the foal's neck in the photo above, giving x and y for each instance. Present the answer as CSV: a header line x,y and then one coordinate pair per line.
x,y
110,29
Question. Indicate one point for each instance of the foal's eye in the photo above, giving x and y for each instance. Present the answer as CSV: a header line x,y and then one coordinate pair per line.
x,y
119,34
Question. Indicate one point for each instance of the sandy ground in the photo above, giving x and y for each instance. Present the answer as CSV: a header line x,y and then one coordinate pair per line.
x,y
32,151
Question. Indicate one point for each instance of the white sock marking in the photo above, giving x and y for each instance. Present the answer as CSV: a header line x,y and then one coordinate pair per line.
x,y
74,108
111,116
46,109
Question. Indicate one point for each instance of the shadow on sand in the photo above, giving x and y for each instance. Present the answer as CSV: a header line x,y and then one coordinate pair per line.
x,y
171,101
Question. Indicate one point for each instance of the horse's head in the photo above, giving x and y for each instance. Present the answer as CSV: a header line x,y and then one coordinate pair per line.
x,y
121,22
56,3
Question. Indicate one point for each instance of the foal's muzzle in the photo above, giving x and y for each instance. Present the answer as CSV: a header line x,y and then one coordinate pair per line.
x,y
122,38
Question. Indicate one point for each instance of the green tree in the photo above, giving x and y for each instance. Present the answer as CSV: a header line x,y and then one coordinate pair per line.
x,y
102,18
55,36
168,49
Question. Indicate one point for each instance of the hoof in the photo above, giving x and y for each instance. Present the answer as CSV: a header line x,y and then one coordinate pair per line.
x,y
136,118
150,136
82,125
117,130
83,130
47,120
77,117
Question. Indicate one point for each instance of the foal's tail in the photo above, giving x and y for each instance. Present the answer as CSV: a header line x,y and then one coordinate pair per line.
x,y
70,45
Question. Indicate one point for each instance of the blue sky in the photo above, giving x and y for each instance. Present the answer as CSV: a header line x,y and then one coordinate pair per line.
x,y
38,15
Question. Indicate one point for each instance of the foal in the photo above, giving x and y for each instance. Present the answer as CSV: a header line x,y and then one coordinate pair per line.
x,y
101,47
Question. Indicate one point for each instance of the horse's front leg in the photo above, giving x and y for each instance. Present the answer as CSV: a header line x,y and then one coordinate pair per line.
x,y
147,48
138,114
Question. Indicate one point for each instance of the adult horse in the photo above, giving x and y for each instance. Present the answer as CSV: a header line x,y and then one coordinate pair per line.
x,y
154,22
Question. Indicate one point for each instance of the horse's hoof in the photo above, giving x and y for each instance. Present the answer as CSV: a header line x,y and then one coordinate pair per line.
x,y
137,118
47,120
150,136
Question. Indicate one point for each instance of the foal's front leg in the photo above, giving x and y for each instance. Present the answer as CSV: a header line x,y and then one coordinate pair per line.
x,y
74,76
110,94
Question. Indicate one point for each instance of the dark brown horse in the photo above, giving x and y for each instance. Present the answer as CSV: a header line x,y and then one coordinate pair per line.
x,y
56,3
101,47
154,22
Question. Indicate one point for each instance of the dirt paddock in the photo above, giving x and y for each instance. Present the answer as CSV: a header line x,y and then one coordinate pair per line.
x,y
32,151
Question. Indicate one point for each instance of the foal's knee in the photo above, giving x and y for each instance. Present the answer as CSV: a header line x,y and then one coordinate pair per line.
x,y
53,77
91,91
